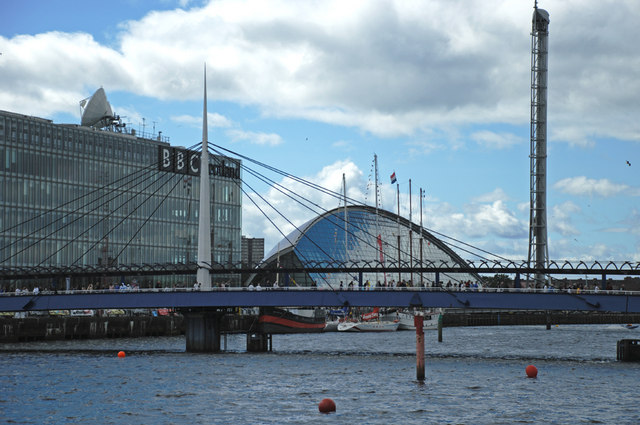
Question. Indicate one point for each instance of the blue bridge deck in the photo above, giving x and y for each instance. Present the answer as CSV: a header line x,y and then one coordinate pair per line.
x,y
605,301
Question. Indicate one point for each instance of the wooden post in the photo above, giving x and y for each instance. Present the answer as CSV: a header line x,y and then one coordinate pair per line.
x,y
418,321
548,320
440,320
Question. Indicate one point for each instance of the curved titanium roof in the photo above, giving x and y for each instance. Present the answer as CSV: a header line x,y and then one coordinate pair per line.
x,y
292,239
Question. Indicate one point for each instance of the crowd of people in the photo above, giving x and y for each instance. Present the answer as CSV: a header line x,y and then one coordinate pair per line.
x,y
548,287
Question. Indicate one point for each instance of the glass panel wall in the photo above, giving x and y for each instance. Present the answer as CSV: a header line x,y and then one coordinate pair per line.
x,y
78,196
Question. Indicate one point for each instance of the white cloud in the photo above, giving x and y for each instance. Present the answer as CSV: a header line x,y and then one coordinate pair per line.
x,y
477,221
343,145
256,138
497,195
496,219
423,147
213,120
435,64
43,74
560,219
495,140
583,186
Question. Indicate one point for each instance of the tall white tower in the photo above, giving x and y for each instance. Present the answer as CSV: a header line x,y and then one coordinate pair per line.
x,y
203,275
538,247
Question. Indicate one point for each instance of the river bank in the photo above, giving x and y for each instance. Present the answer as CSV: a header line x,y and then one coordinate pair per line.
x,y
45,328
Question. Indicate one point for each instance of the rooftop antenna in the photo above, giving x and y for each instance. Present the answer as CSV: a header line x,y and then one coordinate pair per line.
x,y
538,246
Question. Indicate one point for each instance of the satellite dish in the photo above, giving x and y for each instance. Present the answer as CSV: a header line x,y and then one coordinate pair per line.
x,y
97,112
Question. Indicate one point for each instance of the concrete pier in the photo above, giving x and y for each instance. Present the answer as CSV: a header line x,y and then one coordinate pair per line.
x,y
202,331
259,342
628,350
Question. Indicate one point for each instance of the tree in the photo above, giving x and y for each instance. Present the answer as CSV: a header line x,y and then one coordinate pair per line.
x,y
498,281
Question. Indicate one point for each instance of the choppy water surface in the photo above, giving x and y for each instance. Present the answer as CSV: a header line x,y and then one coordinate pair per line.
x,y
475,376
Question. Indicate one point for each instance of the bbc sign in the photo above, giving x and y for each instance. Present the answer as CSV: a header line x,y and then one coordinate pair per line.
x,y
184,161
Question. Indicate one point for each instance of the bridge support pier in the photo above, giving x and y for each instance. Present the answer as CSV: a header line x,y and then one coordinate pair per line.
x,y
259,342
202,331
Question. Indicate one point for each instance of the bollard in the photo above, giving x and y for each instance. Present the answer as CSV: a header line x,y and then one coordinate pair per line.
x,y
440,320
418,321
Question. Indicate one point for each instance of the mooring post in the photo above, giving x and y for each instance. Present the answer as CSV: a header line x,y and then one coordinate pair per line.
x,y
418,321
440,320
548,320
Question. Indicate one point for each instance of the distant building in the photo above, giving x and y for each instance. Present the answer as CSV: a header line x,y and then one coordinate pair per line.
x,y
73,195
252,251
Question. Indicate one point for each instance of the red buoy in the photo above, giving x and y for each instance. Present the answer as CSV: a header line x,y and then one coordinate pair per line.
x,y
121,354
327,406
531,371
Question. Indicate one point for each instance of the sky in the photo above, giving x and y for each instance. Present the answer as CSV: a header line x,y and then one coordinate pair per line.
x,y
439,90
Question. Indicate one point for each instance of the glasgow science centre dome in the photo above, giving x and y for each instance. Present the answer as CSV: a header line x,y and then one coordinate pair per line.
x,y
365,236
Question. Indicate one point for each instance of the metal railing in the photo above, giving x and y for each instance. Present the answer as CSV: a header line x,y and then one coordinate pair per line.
x,y
620,268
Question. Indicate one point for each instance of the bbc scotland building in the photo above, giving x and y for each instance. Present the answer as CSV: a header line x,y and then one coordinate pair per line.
x,y
96,194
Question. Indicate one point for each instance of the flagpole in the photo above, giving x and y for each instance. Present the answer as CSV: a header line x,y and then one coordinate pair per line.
x,y
399,272
346,222
410,238
421,238
378,236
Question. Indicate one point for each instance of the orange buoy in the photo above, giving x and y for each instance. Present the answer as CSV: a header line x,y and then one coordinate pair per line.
x,y
327,406
531,371
121,354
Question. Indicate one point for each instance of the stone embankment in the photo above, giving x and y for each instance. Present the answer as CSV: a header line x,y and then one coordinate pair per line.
x,y
508,318
43,328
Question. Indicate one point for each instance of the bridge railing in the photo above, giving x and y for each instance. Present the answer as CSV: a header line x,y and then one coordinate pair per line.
x,y
620,268
25,293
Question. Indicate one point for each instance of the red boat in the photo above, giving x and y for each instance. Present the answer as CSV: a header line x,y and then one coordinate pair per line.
x,y
284,321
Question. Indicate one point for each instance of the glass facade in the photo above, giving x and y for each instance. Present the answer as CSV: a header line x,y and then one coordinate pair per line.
x,y
75,195
370,238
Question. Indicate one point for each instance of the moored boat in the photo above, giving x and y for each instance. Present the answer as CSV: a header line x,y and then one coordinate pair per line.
x,y
406,319
332,325
370,326
283,321
334,318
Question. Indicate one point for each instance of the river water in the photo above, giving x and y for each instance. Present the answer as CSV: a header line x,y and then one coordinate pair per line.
x,y
475,376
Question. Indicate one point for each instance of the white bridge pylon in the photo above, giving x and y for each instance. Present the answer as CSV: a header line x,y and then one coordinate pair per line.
x,y
203,275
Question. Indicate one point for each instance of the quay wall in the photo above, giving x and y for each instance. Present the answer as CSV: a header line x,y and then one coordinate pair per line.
x,y
43,328
512,318
56,328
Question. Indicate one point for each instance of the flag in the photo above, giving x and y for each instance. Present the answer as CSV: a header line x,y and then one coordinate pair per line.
x,y
393,178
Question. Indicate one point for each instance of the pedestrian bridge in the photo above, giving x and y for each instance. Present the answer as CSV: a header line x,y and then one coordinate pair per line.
x,y
487,298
